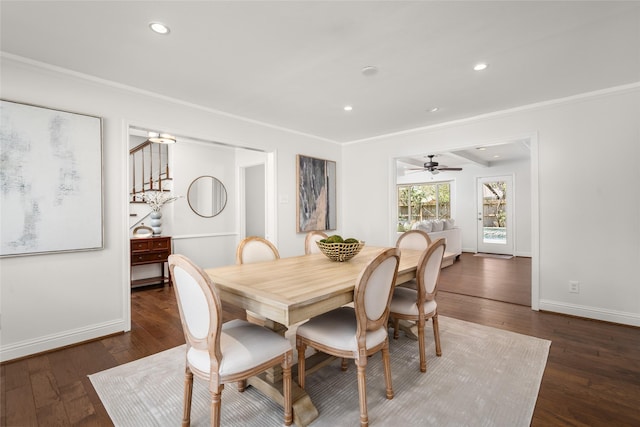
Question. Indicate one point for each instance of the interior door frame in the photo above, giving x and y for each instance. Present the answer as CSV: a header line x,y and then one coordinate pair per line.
x,y
510,247
533,140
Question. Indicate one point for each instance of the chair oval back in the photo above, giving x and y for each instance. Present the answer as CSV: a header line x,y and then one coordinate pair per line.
x,y
429,268
373,290
256,249
310,246
198,304
414,239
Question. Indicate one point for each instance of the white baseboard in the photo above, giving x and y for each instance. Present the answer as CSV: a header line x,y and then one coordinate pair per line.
x,y
621,317
51,342
522,254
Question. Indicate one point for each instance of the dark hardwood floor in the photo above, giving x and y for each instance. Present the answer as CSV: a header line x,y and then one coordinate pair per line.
x,y
506,280
592,377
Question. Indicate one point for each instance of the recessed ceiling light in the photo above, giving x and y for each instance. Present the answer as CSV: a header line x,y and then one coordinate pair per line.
x,y
433,110
480,148
480,66
496,156
158,27
348,108
370,70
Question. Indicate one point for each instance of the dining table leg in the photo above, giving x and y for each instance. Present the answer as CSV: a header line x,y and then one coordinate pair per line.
x,y
270,382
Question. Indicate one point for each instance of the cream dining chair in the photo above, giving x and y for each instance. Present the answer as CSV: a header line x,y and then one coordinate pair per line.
x,y
310,246
356,333
255,249
419,305
222,352
413,239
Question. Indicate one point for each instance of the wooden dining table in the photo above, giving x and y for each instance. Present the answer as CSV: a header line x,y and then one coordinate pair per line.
x,y
288,291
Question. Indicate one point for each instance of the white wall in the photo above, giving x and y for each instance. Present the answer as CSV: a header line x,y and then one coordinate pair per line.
x,y
255,201
209,242
588,151
58,299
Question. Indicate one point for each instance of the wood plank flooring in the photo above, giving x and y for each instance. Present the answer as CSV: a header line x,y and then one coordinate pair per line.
x,y
592,376
507,280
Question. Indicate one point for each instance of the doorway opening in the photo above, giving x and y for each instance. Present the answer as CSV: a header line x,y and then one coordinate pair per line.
x,y
517,229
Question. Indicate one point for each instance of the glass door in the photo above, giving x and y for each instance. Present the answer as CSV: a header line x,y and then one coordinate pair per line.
x,y
495,215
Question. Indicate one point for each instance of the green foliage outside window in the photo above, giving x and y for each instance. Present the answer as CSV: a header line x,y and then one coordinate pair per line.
x,y
419,202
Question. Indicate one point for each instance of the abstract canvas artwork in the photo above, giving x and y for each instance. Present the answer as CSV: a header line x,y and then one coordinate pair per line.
x,y
51,180
316,202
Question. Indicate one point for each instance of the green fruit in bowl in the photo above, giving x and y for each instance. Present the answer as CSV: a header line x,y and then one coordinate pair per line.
x,y
351,240
334,239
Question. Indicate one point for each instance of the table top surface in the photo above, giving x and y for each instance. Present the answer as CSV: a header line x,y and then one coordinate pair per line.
x,y
289,290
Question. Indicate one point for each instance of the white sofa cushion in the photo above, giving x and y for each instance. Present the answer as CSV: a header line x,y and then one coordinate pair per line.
x,y
424,226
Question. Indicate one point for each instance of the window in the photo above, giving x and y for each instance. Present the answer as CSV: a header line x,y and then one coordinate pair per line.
x,y
418,202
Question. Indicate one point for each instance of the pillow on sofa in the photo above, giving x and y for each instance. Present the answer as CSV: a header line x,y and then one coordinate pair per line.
x,y
437,225
425,226
449,223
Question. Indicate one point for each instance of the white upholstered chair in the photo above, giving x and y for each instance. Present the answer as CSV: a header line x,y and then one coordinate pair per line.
x,y
222,353
414,239
255,249
356,333
419,305
310,246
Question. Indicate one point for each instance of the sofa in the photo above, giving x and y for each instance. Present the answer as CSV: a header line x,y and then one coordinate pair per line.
x,y
446,228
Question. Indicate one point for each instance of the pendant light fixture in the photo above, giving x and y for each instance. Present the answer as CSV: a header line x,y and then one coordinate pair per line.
x,y
161,138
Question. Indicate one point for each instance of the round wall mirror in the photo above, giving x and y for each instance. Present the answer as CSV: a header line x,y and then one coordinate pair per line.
x,y
207,196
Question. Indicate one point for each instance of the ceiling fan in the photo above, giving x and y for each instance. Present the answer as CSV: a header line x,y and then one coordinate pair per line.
x,y
434,167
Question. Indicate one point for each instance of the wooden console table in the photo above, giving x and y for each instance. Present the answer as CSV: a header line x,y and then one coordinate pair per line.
x,y
150,250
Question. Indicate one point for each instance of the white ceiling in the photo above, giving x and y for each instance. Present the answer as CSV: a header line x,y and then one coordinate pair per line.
x,y
485,156
295,64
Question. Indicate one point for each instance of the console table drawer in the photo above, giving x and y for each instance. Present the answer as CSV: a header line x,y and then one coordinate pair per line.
x,y
144,258
139,245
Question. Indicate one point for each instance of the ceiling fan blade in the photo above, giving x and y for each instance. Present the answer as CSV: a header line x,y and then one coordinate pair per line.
x,y
449,169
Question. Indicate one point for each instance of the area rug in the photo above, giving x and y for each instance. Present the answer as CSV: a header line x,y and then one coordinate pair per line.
x,y
498,256
485,377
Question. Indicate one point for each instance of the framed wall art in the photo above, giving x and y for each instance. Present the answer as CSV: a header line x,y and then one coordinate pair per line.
x,y
51,180
316,201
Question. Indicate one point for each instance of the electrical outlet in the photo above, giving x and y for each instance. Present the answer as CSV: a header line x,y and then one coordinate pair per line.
x,y
574,286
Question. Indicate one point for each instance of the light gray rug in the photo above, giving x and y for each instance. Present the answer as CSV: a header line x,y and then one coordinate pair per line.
x,y
485,377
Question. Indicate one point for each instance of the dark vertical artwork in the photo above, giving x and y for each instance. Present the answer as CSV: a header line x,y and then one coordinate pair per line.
x,y
316,194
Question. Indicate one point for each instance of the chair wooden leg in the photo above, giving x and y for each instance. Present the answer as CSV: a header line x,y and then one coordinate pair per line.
x,y
215,405
436,335
188,392
344,365
396,328
286,388
421,346
242,385
301,347
362,392
386,362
